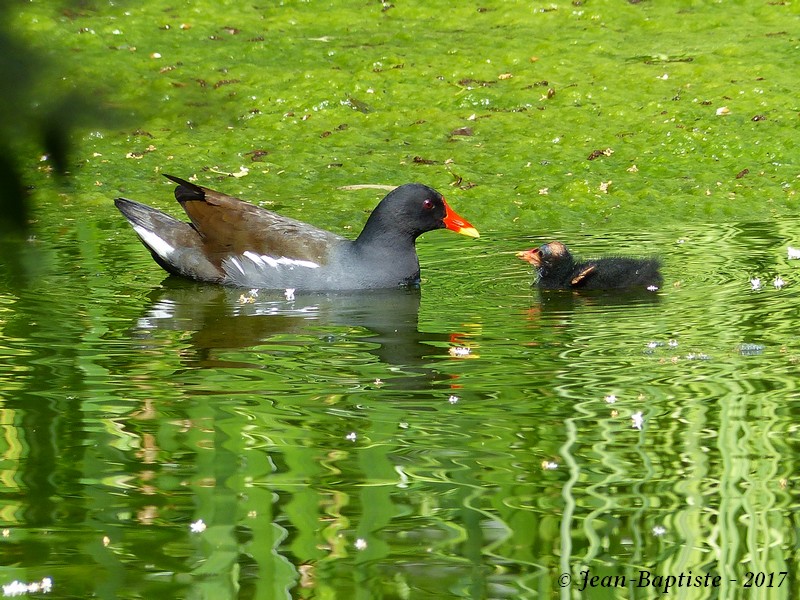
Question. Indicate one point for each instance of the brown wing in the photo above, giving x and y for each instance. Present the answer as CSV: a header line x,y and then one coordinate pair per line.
x,y
229,226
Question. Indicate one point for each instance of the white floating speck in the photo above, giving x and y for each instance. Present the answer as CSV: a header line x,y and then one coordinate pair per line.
x,y
351,437
749,349
453,399
459,351
610,399
198,526
403,483
361,544
652,288
778,282
755,283
723,110
637,420
549,465
18,588
15,588
659,530
289,293
794,253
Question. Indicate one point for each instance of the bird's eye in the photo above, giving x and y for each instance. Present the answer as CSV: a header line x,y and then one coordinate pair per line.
x,y
427,204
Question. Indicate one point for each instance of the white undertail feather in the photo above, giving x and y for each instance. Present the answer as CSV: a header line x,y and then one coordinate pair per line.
x,y
155,243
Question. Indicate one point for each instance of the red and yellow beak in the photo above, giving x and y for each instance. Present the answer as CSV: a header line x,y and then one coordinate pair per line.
x,y
455,222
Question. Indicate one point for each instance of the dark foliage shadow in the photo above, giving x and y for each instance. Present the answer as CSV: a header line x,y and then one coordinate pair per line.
x,y
37,115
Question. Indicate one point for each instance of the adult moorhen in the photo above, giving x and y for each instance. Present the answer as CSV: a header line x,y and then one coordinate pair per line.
x,y
557,269
233,242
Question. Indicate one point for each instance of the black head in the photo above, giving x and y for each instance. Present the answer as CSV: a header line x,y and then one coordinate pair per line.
x,y
548,256
553,262
553,255
410,210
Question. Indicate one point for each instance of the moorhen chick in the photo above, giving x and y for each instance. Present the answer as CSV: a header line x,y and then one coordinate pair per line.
x,y
233,242
557,269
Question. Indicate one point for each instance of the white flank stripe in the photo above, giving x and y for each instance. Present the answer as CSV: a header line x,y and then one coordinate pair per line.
x,y
298,263
236,264
155,243
263,260
254,257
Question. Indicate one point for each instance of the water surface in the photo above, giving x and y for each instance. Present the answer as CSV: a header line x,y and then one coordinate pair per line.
x,y
474,438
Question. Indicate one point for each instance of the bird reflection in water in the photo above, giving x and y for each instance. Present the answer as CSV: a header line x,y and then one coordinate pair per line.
x,y
222,319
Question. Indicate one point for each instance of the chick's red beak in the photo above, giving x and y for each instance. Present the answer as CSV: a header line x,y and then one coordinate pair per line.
x,y
532,256
455,222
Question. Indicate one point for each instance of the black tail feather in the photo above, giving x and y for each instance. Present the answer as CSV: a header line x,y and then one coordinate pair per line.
x,y
175,245
139,214
186,190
